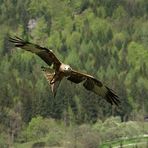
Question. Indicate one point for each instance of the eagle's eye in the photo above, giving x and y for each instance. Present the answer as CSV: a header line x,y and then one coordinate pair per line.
x,y
67,68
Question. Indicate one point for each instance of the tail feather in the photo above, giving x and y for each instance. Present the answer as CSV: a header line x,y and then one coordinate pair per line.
x,y
50,77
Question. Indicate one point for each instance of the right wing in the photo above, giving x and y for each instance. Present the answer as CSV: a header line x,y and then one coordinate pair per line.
x,y
94,85
45,54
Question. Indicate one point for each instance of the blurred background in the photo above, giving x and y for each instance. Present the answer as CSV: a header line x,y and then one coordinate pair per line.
x,y
107,39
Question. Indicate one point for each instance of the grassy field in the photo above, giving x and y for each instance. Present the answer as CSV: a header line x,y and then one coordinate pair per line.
x,y
136,145
141,142
128,143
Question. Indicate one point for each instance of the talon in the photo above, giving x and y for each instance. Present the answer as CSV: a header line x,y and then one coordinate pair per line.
x,y
51,82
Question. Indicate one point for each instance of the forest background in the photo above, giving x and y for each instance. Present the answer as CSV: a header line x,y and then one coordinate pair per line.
x,y
107,39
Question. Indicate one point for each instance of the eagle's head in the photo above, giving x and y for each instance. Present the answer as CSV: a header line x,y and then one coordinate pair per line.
x,y
65,68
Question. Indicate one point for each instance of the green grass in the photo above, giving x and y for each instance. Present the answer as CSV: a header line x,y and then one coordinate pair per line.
x,y
142,145
142,142
124,142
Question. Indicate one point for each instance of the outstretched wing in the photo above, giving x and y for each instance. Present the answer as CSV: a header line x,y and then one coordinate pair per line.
x,y
44,53
94,85
49,75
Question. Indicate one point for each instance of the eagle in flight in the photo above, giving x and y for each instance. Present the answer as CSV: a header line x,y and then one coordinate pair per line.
x,y
60,70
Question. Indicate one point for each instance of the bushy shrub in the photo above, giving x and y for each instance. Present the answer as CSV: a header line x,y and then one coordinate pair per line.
x,y
112,134
109,124
54,138
3,141
98,125
112,122
90,140
39,127
130,129
112,129
83,137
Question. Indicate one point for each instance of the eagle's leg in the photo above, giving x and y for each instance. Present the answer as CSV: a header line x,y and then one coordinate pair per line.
x,y
55,78
55,81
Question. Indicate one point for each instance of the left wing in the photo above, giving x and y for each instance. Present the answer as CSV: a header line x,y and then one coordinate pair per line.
x,y
94,85
44,53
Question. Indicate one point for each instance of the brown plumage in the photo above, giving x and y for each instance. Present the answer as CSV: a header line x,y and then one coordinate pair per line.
x,y
61,70
44,53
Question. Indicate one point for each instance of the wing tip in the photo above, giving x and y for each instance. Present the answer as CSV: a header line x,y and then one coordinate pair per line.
x,y
112,98
17,41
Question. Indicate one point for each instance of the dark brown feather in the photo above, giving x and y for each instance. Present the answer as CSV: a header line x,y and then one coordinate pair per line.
x,y
50,76
94,85
75,79
44,53
111,97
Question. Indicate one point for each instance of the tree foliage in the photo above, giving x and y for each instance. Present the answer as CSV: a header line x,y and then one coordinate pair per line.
x,y
108,39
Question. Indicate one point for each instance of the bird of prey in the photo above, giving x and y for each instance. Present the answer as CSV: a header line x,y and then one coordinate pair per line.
x,y
60,70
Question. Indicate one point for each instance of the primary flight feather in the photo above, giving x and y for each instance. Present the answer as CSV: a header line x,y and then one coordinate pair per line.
x,y
61,70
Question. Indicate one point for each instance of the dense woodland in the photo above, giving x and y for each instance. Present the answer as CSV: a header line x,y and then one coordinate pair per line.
x,y
105,38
